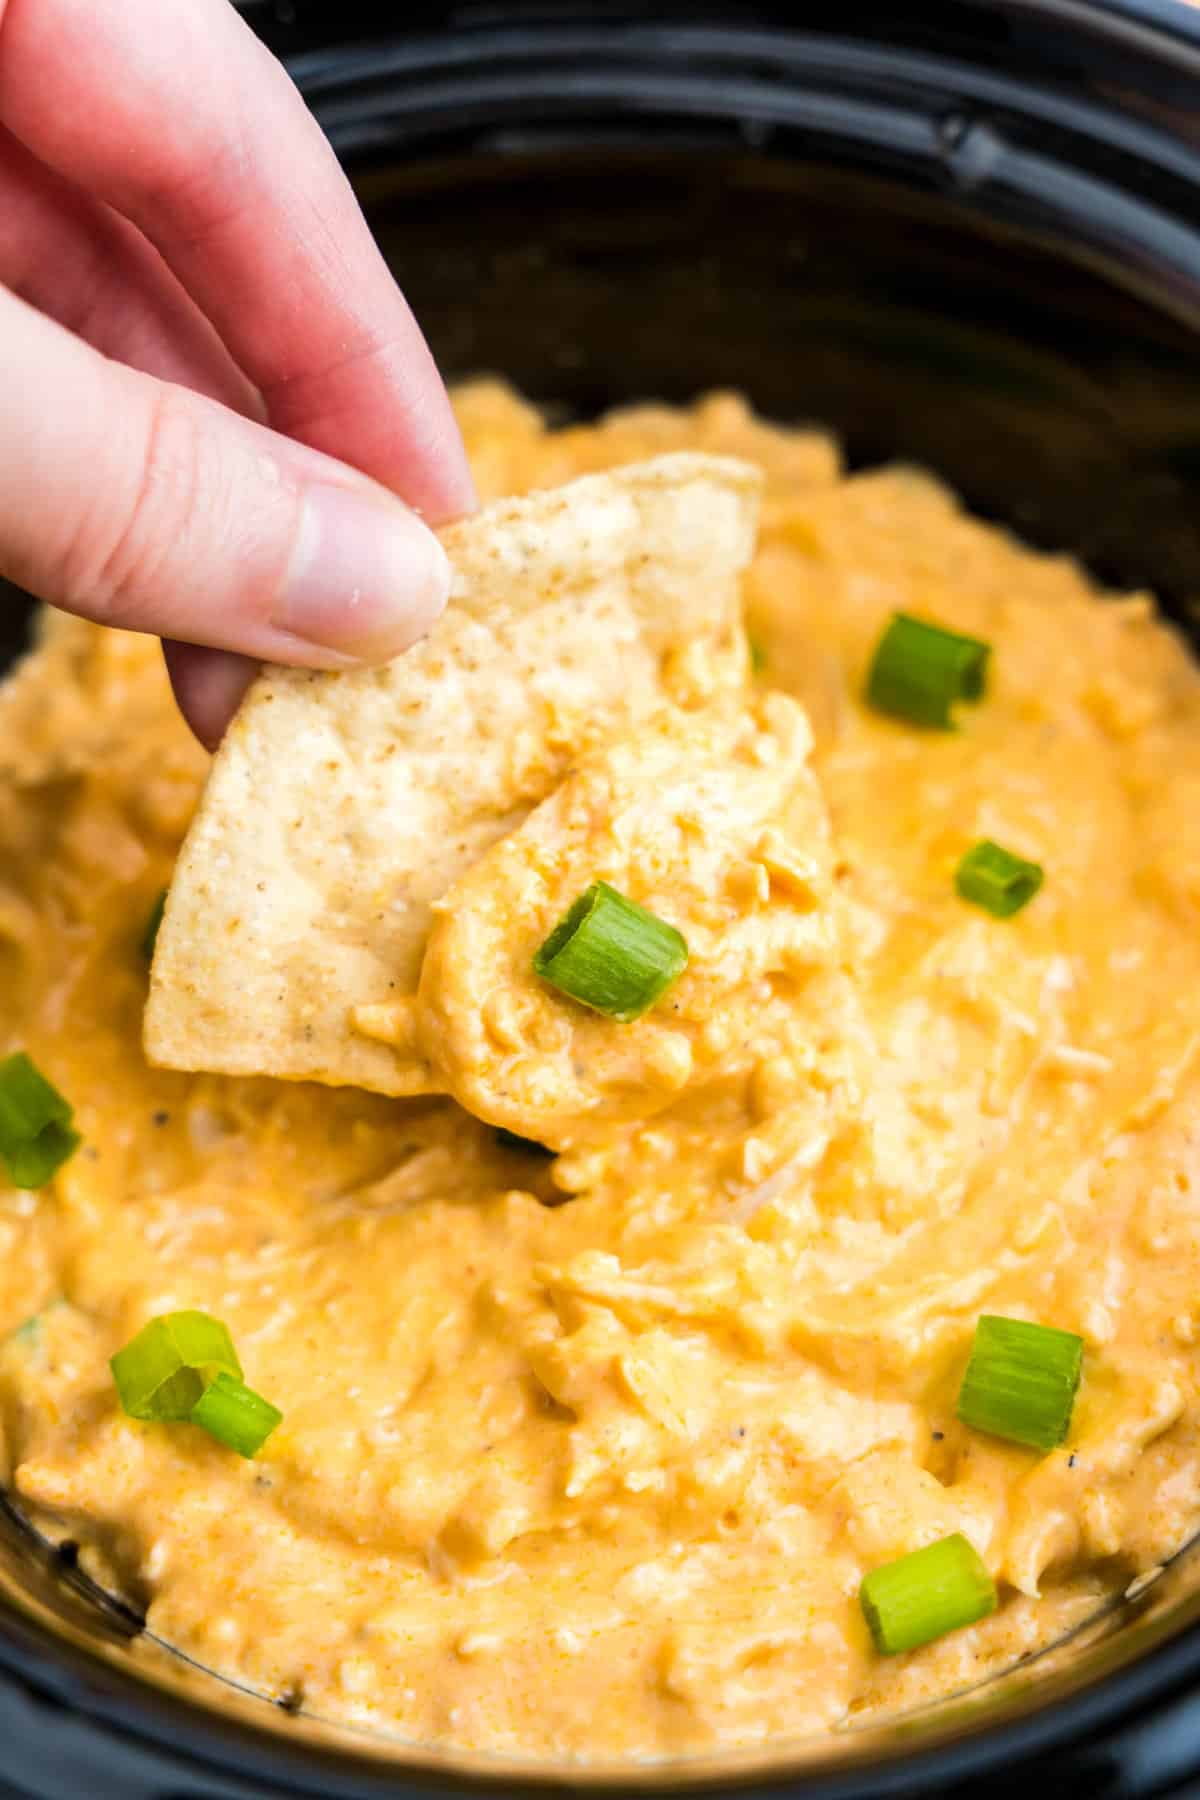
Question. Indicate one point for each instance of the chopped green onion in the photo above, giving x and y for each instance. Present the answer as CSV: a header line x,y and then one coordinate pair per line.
x,y
611,954
509,1140
32,1165
920,1597
919,671
995,879
183,1365
758,655
150,931
165,1369
36,1136
1021,1381
235,1415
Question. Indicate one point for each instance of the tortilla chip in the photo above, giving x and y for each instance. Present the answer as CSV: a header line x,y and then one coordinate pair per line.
x,y
340,807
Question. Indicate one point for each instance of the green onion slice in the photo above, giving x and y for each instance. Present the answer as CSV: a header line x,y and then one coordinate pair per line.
x,y
919,671
36,1136
611,954
758,655
163,1372
150,930
235,1415
992,877
1021,1381
921,1597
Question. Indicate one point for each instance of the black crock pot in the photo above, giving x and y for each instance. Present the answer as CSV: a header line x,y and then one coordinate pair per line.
x,y
962,233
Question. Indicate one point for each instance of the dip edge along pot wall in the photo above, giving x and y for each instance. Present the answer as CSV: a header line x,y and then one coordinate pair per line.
x,y
968,236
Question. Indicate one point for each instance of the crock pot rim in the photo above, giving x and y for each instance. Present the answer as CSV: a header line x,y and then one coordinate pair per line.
x,y
126,1707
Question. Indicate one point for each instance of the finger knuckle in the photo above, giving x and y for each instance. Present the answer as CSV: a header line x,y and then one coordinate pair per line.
x,y
119,559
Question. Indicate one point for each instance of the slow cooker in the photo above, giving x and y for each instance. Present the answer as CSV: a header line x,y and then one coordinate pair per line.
x,y
965,233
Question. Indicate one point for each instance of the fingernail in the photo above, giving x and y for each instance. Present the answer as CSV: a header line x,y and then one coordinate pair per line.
x,y
366,578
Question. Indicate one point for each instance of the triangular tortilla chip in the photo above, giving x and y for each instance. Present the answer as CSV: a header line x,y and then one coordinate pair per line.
x,y
341,806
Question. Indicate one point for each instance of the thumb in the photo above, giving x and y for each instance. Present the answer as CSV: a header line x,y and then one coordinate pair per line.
x,y
144,505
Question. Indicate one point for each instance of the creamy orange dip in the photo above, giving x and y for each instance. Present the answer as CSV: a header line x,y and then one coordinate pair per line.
x,y
588,1455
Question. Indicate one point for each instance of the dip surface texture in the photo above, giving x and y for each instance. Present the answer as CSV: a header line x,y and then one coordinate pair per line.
x,y
587,1454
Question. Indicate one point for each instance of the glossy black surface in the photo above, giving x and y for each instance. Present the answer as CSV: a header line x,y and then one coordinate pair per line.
x,y
963,233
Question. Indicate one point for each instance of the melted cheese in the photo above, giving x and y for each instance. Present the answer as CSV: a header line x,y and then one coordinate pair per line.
x,y
587,1456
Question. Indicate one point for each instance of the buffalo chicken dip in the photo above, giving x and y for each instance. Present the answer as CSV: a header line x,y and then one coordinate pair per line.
x,y
729,1268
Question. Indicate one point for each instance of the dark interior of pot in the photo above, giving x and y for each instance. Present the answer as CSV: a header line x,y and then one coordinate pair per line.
x,y
902,269
1053,402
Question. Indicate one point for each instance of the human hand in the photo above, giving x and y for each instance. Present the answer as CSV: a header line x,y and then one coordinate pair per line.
x,y
195,324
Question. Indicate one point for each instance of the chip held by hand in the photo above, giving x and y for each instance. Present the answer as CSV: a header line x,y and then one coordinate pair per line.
x,y
342,806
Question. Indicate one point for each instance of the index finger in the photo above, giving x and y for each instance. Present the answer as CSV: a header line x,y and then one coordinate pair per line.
x,y
180,119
